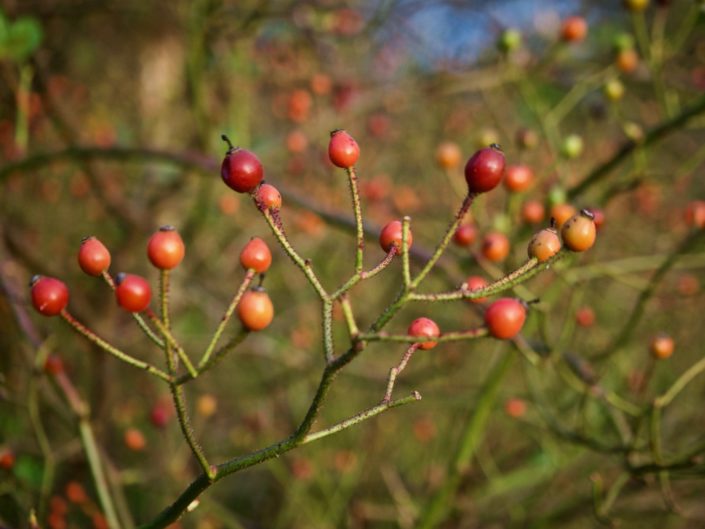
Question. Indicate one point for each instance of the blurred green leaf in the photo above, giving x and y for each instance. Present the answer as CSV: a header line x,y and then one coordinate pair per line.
x,y
20,39
29,470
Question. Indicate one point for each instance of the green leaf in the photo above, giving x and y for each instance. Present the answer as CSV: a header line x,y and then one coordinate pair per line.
x,y
29,470
23,37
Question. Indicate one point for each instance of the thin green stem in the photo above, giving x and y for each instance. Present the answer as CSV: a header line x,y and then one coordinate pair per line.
x,y
171,342
405,265
349,317
135,315
438,508
101,485
219,354
359,229
362,416
94,338
301,263
518,276
355,279
452,227
630,325
396,370
327,328
653,135
225,319
657,453
680,384
471,334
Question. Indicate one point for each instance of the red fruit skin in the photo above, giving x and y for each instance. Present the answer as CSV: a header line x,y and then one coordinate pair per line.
x,y
484,170
93,257
256,256
505,318
255,310
133,293
49,296
518,178
165,248
476,283
343,150
465,235
53,365
241,170
160,414
424,327
391,235
268,197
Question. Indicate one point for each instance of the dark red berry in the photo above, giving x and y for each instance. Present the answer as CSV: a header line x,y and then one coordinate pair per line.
x,y
484,169
505,318
241,169
343,150
165,248
93,256
49,295
132,292
427,328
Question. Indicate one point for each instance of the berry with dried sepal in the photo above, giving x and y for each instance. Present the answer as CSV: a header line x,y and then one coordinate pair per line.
x,y
485,169
241,170
427,328
49,295
93,256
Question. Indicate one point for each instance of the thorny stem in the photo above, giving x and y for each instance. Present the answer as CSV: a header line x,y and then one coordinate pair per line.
x,y
467,202
349,317
137,317
234,341
94,338
302,264
396,370
177,391
520,275
405,266
205,359
171,342
406,338
356,278
172,513
359,229
327,319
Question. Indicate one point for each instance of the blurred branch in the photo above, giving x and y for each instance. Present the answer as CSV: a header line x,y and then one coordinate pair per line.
x,y
653,135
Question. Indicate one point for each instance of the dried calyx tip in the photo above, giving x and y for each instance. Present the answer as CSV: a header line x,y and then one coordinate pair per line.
x,y
587,213
496,147
336,131
34,279
231,147
167,227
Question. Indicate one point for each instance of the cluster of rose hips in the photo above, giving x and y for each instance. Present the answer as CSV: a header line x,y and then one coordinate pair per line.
x,y
165,250
242,171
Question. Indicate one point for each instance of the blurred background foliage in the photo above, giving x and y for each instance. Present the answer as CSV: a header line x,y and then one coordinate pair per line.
x,y
110,121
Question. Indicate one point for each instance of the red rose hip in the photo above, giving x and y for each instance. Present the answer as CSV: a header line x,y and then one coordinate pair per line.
x,y
165,248
241,169
505,318
49,295
256,256
132,292
343,150
93,256
424,327
485,169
